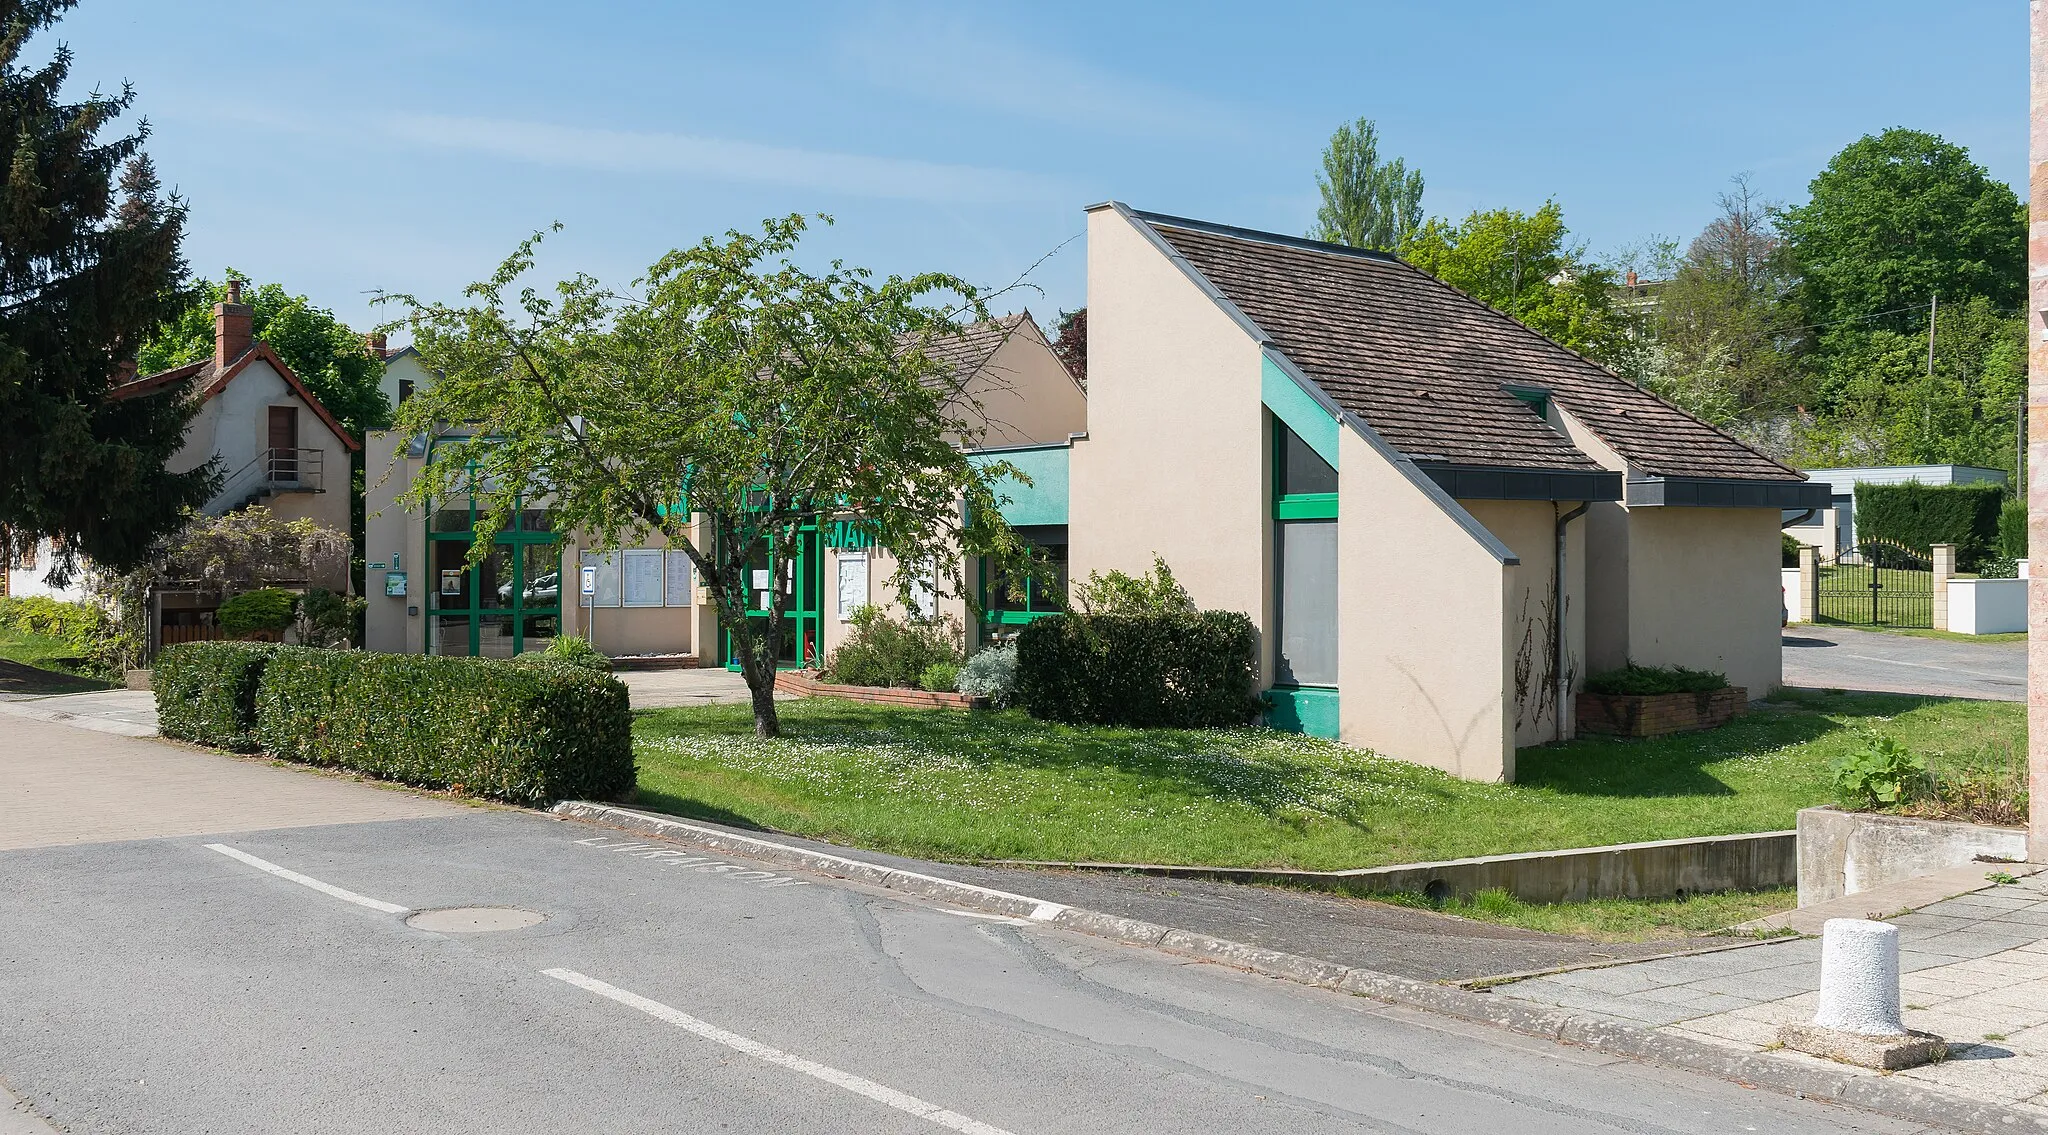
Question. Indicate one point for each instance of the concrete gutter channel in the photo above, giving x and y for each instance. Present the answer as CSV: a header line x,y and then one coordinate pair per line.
x,y
1859,1089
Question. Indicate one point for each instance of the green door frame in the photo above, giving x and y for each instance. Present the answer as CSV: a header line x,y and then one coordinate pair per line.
x,y
532,528
805,615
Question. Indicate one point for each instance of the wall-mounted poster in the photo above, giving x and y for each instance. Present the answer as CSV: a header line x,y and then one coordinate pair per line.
x,y
394,583
853,583
677,593
451,581
643,577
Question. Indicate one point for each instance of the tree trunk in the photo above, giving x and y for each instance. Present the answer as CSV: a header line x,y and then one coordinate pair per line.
x,y
757,666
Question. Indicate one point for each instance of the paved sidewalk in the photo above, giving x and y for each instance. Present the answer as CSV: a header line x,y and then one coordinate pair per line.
x,y
64,785
1976,974
661,689
128,713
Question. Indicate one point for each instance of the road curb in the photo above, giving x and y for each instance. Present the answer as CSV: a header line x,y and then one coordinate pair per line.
x,y
1794,1077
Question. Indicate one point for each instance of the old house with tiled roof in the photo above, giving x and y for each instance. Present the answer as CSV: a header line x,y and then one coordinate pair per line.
x,y
1440,519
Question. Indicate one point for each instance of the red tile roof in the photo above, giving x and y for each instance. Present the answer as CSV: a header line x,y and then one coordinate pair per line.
x,y
209,382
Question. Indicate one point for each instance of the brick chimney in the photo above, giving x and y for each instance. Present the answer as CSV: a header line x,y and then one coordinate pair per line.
x,y
375,344
234,324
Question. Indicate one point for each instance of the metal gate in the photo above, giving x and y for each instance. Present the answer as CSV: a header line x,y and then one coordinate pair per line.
x,y
1877,584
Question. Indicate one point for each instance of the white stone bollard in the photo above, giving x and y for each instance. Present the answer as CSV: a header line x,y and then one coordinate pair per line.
x,y
1859,978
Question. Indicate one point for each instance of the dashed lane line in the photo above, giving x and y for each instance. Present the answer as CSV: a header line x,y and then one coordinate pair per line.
x,y
880,1093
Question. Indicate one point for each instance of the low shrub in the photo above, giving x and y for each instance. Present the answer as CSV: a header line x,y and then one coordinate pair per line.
x,y
1120,593
1789,548
572,651
884,652
940,677
1160,670
523,733
991,673
1999,567
77,624
206,692
1647,681
269,609
329,619
1878,773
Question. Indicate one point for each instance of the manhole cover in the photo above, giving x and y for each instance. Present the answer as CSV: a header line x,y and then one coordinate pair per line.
x,y
475,919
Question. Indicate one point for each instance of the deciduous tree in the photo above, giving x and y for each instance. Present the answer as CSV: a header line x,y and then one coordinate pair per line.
x,y
1525,265
732,385
1367,203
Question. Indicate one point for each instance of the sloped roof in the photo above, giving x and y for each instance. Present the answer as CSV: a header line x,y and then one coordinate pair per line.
x,y
969,349
1427,366
209,381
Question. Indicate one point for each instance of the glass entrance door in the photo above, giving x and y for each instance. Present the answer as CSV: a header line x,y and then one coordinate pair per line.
x,y
802,586
508,604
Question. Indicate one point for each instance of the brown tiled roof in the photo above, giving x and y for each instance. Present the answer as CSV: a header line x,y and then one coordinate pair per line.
x,y
208,380
970,348
1426,365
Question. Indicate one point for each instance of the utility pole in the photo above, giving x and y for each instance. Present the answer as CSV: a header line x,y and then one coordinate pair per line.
x,y
2037,440
1933,312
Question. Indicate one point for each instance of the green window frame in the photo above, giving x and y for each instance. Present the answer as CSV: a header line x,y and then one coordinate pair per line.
x,y
1039,602
1295,506
526,556
1308,516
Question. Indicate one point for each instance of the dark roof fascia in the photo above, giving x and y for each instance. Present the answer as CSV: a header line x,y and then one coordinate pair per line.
x,y
1027,446
1263,237
1511,483
1726,492
1400,461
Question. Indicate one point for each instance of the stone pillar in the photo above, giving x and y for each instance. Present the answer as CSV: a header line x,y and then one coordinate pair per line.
x,y
1806,605
1944,570
2037,425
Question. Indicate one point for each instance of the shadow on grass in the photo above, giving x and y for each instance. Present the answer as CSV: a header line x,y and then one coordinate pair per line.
x,y
690,808
1270,771
1677,765
20,678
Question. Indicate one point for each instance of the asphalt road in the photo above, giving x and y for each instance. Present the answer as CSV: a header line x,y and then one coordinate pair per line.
x,y
164,985
1841,658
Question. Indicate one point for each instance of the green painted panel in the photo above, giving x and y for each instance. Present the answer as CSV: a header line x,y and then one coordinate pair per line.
x,y
1306,506
1044,501
1303,709
1293,405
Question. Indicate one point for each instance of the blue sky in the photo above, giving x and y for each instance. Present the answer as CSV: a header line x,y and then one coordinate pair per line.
x,y
342,148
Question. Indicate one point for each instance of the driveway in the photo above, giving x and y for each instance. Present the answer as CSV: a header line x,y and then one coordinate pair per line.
x,y
271,976
1839,658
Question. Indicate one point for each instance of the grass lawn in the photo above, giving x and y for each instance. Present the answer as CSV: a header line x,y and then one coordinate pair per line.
x,y
1921,632
45,665
947,784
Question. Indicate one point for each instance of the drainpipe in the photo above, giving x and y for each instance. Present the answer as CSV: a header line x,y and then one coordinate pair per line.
x,y
1564,681
1800,519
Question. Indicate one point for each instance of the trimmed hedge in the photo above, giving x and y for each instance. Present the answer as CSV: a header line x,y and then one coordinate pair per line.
x,y
526,732
2012,530
206,692
1160,670
1921,516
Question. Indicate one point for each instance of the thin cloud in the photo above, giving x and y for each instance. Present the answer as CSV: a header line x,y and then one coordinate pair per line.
x,y
985,67
625,151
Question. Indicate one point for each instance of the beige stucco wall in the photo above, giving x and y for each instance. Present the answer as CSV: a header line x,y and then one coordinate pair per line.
x,y
1026,394
404,367
1420,671
1704,592
1174,462
1530,529
881,592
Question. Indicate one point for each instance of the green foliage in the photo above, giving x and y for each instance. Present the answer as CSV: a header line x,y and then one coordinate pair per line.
x,y
573,651
1118,593
1720,318
329,619
1634,680
940,677
1523,264
89,263
1896,218
991,673
780,391
1878,773
883,652
1920,516
1789,547
78,624
522,733
1154,670
2012,527
206,692
1999,567
326,355
270,609
1366,203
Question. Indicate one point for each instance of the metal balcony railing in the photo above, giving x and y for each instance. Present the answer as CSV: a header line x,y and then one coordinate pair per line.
x,y
270,472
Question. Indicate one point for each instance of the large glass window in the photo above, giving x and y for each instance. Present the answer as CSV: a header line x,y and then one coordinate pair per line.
x,y
509,603
1013,602
1305,563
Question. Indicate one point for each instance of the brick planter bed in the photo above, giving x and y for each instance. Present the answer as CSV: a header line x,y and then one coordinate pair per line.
x,y
805,682
1656,715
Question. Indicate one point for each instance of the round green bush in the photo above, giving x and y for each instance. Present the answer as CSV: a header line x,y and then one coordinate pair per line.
x,y
270,609
939,677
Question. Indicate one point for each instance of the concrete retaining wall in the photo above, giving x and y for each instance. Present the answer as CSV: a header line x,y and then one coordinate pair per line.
x,y
1846,853
1656,870
1987,606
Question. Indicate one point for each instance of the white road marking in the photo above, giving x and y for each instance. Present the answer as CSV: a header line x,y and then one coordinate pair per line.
x,y
901,1101
309,881
703,864
2004,679
1002,918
